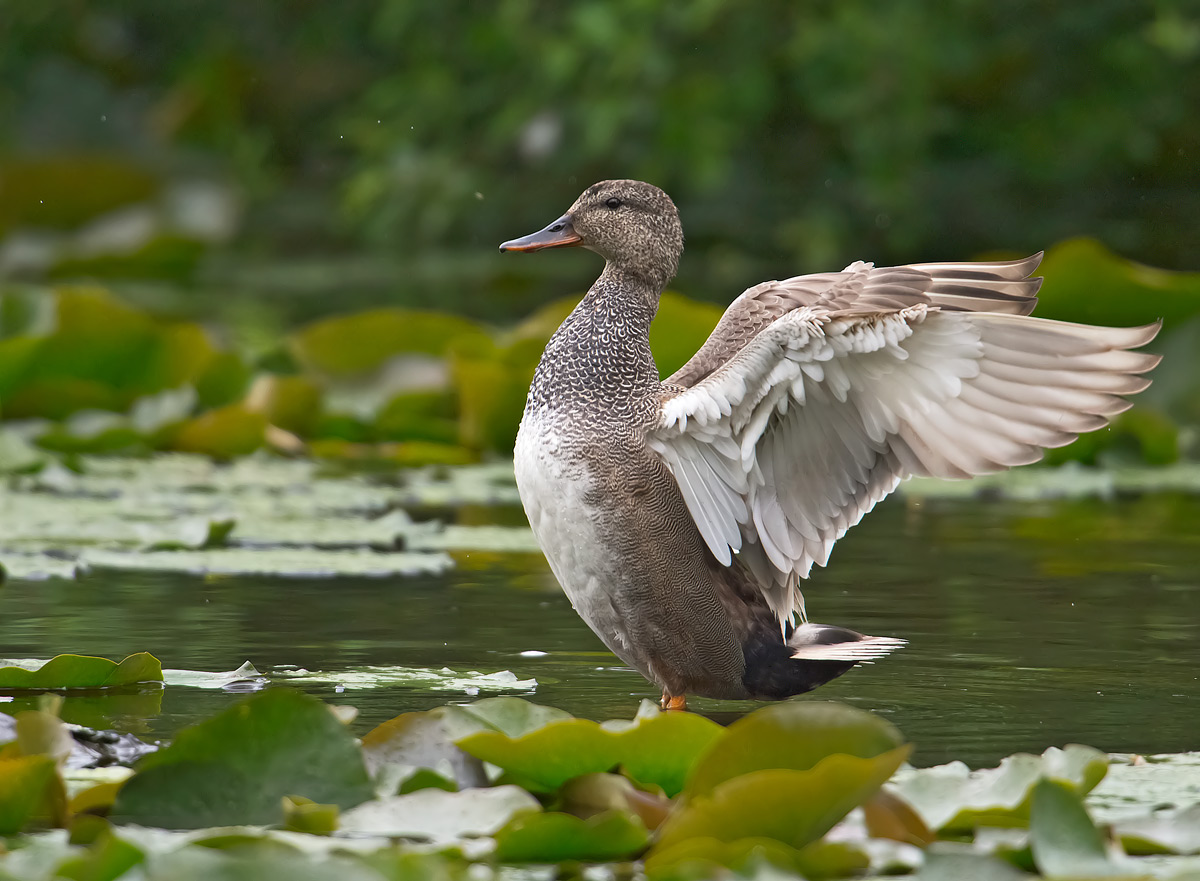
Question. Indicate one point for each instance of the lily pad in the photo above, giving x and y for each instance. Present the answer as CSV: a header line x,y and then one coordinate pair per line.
x,y
1139,784
16,566
1062,836
786,805
420,741
237,766
28,786
81,671
445,679
952,798
439,816
554,837
511,716
1175,831
281,563
657,749
702,858
508,539
794,736
362,342
244,678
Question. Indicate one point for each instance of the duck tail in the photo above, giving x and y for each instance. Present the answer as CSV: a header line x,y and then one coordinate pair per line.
x,y
823,642
813,655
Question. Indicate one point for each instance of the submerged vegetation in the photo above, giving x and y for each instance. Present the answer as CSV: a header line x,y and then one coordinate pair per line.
x,y
276,785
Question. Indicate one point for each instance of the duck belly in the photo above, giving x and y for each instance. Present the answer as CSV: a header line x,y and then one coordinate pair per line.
x,y
558,492
634,569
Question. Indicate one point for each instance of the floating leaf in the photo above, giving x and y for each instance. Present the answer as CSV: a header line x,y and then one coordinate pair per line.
x,y
245,677
305,815
29,787
1162,832
594,794
237,766
657,749
440,816
511,716
364,341
282,563
82,671
951,798
106,859
18,455
422,741
955,865
888,816
223,433
556,837
793,736
793,807
444,679
702,858
1144,783
1062,836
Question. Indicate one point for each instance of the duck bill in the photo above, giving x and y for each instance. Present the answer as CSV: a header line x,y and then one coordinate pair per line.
x,y
560,234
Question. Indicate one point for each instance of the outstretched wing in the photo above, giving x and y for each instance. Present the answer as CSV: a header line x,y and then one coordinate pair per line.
x,y
976,287
818,415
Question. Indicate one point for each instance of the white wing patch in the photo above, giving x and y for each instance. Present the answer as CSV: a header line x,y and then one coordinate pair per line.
x,y
789,443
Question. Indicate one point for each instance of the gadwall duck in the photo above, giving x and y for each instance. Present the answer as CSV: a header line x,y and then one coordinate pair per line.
x,y
680,515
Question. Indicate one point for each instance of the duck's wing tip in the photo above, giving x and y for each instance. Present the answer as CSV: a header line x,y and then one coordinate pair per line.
x,y
821,642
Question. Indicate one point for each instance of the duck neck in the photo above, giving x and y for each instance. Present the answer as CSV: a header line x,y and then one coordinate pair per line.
x,y
629,294
600,356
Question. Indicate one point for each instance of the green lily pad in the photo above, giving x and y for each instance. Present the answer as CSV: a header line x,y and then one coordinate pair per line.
x,y
790,806
439,816
511,716
237,766
1063,838
555,837
702,858
657,749
952,798
358,343
794,736
81,671
222,433
594,794
28,786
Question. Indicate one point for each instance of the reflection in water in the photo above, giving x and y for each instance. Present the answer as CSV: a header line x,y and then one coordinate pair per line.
x,y
1030,625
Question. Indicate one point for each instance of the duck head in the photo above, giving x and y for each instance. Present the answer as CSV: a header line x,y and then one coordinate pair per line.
x,y
633,225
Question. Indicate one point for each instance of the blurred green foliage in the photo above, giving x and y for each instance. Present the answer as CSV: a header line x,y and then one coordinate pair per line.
x,y
82,371
795,136
200,161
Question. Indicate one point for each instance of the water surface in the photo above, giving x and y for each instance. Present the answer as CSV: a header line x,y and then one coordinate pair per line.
x,y
1030,625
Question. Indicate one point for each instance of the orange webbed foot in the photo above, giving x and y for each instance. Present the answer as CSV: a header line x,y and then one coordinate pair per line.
x,y
674,702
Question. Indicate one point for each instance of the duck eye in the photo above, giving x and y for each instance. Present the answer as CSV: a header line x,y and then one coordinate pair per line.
x,y
614,202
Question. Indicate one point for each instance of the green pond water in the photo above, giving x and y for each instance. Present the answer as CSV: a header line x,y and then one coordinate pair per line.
x,y
1030,624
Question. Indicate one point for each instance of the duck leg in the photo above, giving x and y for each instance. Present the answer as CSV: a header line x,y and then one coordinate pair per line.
x,y
674,702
